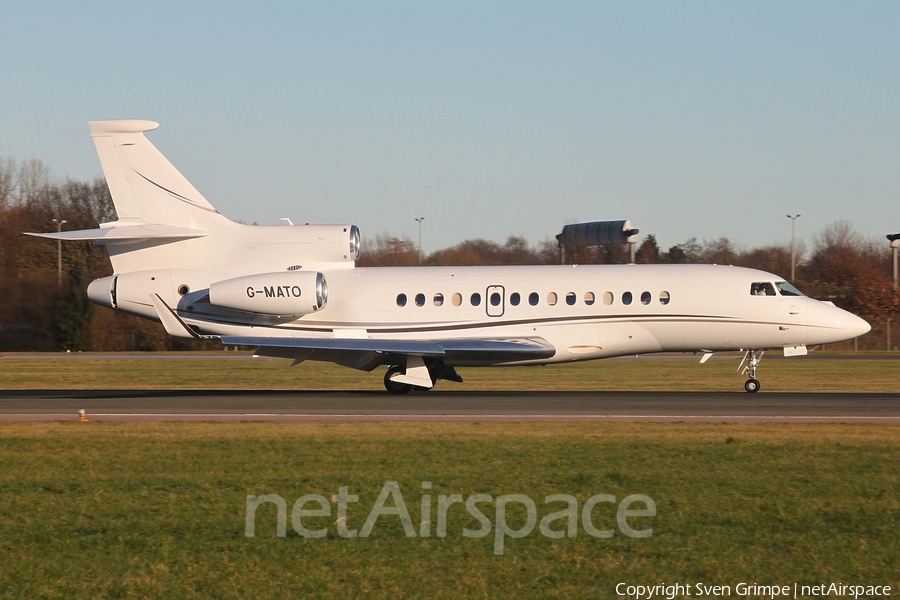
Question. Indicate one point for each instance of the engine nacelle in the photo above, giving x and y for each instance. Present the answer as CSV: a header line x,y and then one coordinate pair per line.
x,y
285,293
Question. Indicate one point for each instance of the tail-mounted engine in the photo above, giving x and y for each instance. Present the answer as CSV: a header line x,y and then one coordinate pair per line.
x,y
289,293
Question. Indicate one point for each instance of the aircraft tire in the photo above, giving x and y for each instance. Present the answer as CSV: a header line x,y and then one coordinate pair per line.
x,y
395,387
752,386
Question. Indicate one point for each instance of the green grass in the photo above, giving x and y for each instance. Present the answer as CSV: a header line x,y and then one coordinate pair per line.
x,y
647,374
158,510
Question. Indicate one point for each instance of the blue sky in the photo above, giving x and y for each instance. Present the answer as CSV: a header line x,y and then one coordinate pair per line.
x,y
701,119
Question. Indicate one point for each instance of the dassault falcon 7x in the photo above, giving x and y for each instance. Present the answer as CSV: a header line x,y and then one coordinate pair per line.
x,y
295,291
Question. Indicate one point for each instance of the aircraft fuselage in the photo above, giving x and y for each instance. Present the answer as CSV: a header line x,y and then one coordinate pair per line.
x,y
584,311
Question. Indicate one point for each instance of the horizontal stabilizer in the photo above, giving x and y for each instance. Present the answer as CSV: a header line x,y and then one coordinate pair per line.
x,y
126,234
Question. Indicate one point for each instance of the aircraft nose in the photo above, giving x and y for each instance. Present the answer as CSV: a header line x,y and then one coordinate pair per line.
x,y
858,326
835,324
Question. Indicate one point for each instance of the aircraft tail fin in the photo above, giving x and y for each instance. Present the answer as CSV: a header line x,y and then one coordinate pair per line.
x,y
145,186
164,223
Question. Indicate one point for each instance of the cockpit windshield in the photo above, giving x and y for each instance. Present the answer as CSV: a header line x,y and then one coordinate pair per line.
x,y
765,288
787,289
762,288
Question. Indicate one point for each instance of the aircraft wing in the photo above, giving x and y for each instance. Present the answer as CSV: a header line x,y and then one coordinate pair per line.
x,y
367,354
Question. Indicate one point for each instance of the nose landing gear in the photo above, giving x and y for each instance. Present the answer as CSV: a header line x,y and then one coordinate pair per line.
x,y
752,358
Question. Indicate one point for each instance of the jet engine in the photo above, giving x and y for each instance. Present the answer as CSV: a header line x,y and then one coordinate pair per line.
x,y
293,293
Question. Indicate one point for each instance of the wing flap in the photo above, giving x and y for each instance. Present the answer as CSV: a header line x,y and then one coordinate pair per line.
x,y
534,346
472,351
412,347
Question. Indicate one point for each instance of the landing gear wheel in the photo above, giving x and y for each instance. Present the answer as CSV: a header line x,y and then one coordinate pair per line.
x,y
395,387
752,358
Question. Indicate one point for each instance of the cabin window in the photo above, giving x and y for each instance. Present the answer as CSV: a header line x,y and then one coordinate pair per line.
x,y
608,298
495,299
475,299
570,298
401,300
515,298
420,299
664,297
456,299
762,288
552,298
589,298
533,298
646,297
438,299
627,297
787,289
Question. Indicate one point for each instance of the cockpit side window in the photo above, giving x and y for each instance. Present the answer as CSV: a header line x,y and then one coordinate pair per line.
x,y
762,288
787,289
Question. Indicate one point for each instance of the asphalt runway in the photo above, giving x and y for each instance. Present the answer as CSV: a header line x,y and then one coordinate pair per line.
x,y
339,406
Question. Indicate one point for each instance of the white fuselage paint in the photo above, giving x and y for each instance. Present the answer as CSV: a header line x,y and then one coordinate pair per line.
x,y
708,307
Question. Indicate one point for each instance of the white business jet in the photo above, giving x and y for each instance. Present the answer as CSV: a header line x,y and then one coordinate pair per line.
x,y
295,292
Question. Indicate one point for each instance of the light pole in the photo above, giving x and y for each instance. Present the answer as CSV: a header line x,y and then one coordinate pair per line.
x,y
419,221
59,225
895,244
793,219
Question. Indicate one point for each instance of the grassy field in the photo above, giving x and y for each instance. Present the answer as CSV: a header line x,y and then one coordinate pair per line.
x,y
158,510
645,373
119,510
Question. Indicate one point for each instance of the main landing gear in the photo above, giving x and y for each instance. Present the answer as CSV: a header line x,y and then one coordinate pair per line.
x,y
426,375
395,387
752,358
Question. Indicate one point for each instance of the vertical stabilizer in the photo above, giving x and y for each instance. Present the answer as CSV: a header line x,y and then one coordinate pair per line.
x,y
144,185
166,226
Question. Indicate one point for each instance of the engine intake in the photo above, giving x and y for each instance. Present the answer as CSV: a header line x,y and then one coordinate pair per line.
x,y
293,293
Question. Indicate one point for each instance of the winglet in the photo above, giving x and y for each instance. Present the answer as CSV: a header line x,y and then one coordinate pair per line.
x,y
170,320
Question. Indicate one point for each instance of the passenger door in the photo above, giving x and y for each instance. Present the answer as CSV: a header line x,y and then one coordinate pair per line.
x,y
495,300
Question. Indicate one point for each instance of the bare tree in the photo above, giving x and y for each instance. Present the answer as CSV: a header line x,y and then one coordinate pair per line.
x,y
389,251
690,251
32,181
720,251
7,181
774,259
843,264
